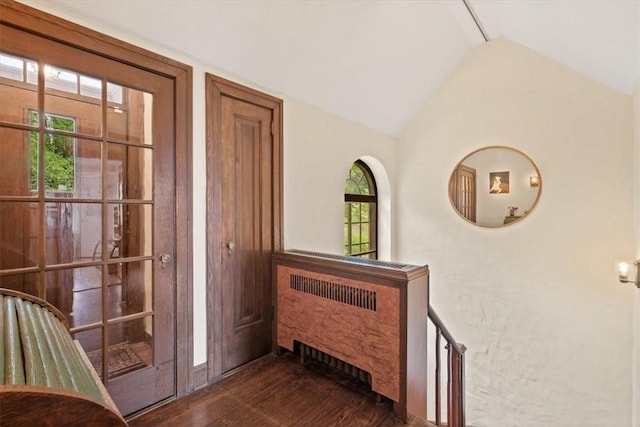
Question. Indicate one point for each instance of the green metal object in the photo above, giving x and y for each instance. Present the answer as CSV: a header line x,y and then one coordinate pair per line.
x,y
13,364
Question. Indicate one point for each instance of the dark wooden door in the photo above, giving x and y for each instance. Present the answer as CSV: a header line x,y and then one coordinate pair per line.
x,y
247,197
244,221
88,176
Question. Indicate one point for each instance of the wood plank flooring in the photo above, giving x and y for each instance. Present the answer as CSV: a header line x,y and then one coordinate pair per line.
x,y
276,391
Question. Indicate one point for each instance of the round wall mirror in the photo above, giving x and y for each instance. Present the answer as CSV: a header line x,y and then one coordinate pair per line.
x,y
495,186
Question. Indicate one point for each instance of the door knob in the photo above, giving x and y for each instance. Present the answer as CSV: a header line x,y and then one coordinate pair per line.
x,y
231,246
164,259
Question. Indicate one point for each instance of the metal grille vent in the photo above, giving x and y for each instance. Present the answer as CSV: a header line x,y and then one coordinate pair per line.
x,y
334,291
308,352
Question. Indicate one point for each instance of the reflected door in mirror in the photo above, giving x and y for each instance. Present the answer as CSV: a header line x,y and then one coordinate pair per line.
x,y
464,191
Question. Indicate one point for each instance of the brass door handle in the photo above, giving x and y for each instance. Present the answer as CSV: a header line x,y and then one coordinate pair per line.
x,y
164,258
231,246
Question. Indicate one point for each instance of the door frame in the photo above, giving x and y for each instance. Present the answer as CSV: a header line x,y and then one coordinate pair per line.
x,y
45,25
215,88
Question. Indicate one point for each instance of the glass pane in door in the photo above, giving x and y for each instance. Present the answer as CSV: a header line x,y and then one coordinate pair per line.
x,y
91,342
134,294
133,163
76,292
88,169
130,346
131,119
64,101
18,81
18,162
27,283
19,236
138,220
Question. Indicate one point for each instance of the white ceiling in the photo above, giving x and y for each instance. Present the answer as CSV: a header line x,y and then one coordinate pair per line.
x,y
372,62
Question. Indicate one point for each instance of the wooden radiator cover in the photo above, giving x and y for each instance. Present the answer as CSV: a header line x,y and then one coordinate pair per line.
x,y
372,315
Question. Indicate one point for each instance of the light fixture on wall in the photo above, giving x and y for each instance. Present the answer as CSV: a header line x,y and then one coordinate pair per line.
x,y
534,181
623,272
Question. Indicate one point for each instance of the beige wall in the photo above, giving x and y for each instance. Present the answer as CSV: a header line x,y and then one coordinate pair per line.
x,y
318,153
547,325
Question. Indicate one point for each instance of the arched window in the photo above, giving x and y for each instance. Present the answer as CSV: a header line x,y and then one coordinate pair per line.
x,y
360,212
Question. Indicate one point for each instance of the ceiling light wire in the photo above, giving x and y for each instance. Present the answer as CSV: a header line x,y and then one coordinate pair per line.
x,y
476,19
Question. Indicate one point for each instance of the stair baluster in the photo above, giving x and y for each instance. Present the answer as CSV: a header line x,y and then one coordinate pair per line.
x,y
455,375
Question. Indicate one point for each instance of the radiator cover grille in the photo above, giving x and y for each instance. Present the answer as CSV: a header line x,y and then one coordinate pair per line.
x,y
345,294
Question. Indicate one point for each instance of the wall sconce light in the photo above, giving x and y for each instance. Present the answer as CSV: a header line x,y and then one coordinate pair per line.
x,y
623,273
534,181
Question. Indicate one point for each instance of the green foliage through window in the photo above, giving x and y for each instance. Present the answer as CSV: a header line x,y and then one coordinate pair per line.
x,y
357,182
360,213
58,153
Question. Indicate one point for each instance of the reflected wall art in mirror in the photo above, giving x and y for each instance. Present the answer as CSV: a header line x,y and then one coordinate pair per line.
x,y
495,186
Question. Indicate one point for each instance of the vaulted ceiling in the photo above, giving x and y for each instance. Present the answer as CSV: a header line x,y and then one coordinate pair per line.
x,y
372,62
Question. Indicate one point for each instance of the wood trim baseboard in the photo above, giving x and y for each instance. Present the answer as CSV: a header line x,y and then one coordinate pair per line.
x,y
200,376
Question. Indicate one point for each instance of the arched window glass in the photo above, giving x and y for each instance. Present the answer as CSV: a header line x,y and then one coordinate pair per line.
x,y
360,212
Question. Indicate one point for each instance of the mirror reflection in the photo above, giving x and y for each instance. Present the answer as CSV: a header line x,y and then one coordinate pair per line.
x,y
495,186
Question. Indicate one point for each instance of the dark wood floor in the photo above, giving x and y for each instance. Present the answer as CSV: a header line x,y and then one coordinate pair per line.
x,y
277,391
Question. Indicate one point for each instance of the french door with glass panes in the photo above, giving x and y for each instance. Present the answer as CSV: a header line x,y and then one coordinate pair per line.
x,y
87,202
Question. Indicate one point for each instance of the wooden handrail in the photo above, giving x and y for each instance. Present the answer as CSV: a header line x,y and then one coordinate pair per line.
x,y
435,319
455,375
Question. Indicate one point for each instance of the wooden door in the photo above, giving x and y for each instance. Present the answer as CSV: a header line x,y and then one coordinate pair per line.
x,y
87,178
463,191
247,182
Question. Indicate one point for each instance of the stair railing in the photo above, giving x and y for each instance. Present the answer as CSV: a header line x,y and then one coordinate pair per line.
x,y
455,375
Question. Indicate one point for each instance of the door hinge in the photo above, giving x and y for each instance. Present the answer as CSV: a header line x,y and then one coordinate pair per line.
x,y
273,127
273,312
